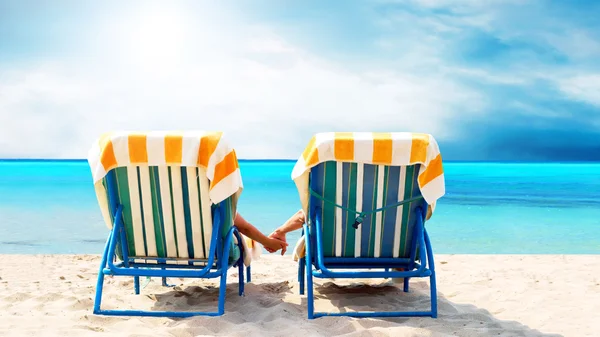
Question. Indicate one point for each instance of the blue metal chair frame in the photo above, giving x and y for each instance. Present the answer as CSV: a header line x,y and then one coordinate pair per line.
x,y
129,268
324,267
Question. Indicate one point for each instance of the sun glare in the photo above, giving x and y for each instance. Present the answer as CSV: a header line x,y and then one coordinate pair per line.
x,y
157,38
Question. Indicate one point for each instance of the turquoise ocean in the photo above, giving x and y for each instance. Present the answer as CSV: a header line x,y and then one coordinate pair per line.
x,y
49,207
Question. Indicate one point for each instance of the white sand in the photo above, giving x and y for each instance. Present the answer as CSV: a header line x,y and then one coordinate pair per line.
x,y
478,296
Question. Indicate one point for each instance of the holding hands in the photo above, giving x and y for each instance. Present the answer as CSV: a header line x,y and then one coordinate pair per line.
x,y
280,237
276,240
295,222
274,244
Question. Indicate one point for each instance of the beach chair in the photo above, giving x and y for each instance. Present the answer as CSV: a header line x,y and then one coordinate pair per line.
x,y
169,200
366,197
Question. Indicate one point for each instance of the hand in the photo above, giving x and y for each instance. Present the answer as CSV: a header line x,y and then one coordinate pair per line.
x,y
274,245
281,237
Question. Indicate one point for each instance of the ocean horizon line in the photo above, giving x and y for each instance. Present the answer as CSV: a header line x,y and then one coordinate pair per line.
x,y
76,160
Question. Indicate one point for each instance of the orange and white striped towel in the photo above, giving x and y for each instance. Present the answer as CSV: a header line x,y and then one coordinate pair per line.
x,y
209,150
377,148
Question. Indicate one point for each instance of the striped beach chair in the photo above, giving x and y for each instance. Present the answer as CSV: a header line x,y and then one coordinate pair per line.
x,y
169,200
367,197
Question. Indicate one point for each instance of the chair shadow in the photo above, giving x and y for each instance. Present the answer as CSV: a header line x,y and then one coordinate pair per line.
x,y
453,318
205,297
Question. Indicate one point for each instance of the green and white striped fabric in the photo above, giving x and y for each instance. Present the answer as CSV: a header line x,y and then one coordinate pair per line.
x,y
167,213
364,187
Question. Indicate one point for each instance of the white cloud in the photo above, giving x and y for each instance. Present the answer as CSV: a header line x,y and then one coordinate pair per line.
x,y
163,70
584,88
576,43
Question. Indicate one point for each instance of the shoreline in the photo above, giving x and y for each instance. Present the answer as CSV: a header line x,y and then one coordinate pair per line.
x,y
293,160
478,295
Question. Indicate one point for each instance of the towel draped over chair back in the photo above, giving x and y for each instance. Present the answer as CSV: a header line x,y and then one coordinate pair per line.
x,y
375,148
366,187
167,183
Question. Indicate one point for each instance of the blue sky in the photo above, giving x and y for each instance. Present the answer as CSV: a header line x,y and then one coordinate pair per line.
x,y
491,80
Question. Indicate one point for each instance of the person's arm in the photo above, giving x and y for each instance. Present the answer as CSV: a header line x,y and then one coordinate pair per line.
x,y
295,222
246,228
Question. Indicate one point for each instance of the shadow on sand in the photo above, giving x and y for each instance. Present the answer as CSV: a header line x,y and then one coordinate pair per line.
x,y
453,318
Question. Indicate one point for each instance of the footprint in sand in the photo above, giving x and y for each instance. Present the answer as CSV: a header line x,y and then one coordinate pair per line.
x,y
276,287
267,302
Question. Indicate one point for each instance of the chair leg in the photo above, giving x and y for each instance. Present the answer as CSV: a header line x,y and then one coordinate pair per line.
x,y
433,286
99,286
241,278
309,285
248,278
136,284
432,282
100,281
301,273
406,284
164,282
222,290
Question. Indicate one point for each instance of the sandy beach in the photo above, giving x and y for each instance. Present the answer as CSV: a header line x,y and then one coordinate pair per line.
x,y
479,295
